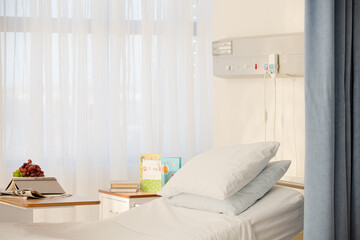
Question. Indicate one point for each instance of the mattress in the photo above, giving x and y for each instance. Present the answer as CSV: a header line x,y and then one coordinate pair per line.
x,y
272,217
278,215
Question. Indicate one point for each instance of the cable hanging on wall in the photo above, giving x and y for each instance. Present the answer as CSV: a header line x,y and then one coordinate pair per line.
x,y
275,110
275,101
282,117
265,109
294,117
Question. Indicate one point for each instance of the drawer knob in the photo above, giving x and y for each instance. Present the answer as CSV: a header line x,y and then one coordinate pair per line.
x,y
111,211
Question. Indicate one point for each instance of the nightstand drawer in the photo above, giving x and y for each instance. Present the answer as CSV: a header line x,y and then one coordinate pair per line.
x,y
110,207
115,203
135,202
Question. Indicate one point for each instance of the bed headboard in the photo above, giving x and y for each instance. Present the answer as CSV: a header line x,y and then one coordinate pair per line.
x,y
290,184
295,185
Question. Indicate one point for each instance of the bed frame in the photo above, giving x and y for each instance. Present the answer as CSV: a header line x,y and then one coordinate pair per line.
x,y
290,184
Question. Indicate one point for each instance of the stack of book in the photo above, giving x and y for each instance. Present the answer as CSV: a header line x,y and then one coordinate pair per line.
x,y
124,187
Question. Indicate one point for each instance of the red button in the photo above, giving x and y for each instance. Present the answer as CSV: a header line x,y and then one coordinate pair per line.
x,y
255,66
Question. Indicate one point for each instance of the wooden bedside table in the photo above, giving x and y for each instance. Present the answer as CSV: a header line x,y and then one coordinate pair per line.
x,y
115,203
22,210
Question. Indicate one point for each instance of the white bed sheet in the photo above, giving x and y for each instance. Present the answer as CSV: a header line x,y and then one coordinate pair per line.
x,y
278,215
157,220
154,220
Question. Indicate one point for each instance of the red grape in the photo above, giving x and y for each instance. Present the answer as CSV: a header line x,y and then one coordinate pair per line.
x,y
31,170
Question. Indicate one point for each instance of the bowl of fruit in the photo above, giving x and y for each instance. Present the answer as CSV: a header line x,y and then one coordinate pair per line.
x,y
29,170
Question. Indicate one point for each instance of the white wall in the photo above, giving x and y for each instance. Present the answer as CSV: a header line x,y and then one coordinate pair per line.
x,y
239,103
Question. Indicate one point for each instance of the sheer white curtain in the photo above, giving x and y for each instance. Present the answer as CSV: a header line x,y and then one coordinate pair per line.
x,y
88,85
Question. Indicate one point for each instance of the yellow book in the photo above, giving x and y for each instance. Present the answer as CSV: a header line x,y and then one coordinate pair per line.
x,y
150,172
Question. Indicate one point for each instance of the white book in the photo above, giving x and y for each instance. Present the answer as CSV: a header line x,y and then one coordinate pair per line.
x,y
43,185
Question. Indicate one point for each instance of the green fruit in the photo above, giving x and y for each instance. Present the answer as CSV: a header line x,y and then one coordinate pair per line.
x,y
17,173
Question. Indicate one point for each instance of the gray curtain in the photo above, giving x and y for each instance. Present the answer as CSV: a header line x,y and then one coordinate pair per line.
x,y
332,78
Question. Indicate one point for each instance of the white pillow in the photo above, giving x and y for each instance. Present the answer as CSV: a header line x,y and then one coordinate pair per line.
x,y
221,172
241,200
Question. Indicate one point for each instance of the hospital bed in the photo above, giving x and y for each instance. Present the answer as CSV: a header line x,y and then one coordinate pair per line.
x,y
276,216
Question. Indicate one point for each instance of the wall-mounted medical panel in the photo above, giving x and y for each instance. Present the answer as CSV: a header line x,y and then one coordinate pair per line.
x,y
251,56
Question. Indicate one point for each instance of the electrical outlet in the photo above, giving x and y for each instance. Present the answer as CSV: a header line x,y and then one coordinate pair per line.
x,y
273,64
